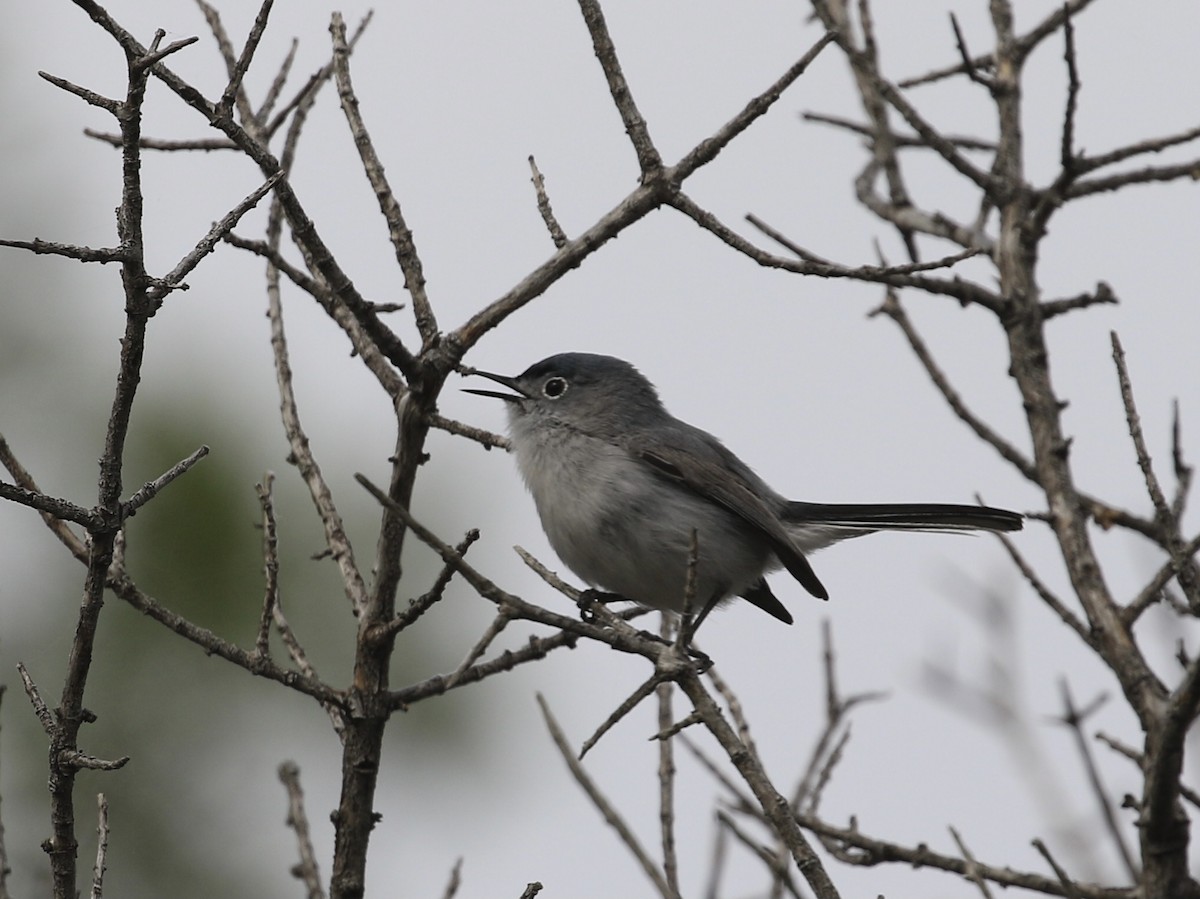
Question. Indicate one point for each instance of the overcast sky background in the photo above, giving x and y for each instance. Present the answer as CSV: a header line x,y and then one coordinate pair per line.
x,y
825,403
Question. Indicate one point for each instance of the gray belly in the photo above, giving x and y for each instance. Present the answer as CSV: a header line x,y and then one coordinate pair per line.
x,y
624,529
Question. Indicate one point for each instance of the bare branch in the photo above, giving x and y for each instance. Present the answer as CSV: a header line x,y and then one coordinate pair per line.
x,y
262,645
894,310
25,480
902,141
101,847
455,880
310,471
40,709
60,509
543,204
963,291
422,604
536,649
1066,153
611,816
1068,885
123,586
499,623
666,774
1103,294
872,851
83,254
1025,44
1152,145
632,701
234,88
967,63
151,489
1148,175
483,437
1153,591
206,144
707,150
5,868
972,872
398,230
1047,596
174,278
635,126
297,819
277,84
1074,719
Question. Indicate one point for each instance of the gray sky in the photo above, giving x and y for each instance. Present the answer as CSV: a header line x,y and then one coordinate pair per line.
x,y
825,403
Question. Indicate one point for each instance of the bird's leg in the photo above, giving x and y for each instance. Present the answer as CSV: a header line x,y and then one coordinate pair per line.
x,y
691,625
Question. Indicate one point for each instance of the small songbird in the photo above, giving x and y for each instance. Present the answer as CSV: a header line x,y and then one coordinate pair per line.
x,y
620,486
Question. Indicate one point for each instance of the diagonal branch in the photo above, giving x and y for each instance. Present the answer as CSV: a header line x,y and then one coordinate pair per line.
x,y
648,157
398,230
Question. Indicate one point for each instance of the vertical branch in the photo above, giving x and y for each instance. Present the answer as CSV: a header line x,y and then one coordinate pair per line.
x,y
666,772
5,870
62,846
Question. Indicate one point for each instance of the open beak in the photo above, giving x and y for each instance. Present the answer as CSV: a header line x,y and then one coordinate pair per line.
x,y
510,383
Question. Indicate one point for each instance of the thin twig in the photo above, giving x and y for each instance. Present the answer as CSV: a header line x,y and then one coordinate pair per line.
x,y
455,880
1025,45
234,88
894,310
173,280
648,157
262,644
707,150
483,437
1066,152
398,231
40,247
1074,720
781,875
101,847
277,84
536,649
40,709
902,141
632,701
297,819
5,868
972,872
422,604
666,772
557,234
91,97
958,288
499,623
611,816
305,461
1068,885
151,489
59,509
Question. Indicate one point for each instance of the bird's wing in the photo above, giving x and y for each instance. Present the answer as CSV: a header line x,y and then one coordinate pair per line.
x,y
720,484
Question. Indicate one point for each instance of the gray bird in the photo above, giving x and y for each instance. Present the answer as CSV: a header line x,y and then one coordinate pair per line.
x,y
620,484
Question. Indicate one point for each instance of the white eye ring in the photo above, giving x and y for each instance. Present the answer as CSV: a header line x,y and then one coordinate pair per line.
x,y
554,387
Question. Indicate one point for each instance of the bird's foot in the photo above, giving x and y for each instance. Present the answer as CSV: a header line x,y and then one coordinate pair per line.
x,y
588,599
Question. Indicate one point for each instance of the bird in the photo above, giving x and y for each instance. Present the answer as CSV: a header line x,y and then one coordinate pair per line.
x,y
622,488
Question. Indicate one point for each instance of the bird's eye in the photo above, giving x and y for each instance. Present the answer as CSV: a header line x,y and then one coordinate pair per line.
x,y
554,387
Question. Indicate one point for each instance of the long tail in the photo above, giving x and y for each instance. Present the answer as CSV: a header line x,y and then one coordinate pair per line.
x,y
814,525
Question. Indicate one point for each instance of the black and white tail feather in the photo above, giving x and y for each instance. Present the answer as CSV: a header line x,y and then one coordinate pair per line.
x,y
813,526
